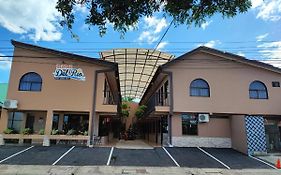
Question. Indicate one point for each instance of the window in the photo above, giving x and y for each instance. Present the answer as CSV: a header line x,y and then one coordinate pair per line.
x,y
258,90
30,82
15,121
200,88
189,124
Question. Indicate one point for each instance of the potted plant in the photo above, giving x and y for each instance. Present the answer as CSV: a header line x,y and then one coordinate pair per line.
x,y
140,111
26,131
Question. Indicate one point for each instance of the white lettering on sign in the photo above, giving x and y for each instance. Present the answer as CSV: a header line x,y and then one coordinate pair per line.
x,y
66,72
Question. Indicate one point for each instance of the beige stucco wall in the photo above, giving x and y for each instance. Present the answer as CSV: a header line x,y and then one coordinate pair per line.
x,y
238,133
216,127
229,86
55,95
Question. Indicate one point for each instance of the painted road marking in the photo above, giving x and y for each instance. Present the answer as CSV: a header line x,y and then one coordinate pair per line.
x,y
13,155
213,157
171,156
63,155
268,164
110,155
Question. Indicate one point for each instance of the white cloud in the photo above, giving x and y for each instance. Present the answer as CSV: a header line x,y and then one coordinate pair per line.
x,y
37,20
267,10
5,62
272,52
261,37
210,44
162,45
241,54
152,27
206,24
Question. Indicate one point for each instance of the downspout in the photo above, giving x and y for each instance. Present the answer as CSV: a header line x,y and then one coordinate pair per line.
x,y
171,101
94,103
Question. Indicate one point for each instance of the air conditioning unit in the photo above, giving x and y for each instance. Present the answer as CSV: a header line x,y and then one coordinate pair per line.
x,y
203,118
10,104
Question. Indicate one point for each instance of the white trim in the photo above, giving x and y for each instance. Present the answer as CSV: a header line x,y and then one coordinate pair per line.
x,y
13,155
213,157
110,155
171,157
268,164
63,155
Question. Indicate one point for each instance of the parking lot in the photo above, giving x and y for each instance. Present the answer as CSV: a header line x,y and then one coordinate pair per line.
x,y
156,157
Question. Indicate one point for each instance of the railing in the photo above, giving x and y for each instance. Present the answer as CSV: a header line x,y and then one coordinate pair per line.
x,y
108,98
158,99
162,99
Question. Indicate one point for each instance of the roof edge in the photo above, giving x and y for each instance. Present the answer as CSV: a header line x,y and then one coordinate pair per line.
x,y
226,55
64,54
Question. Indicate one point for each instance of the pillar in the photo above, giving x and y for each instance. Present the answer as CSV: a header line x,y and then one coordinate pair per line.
x,y
48,128
4,120
60,124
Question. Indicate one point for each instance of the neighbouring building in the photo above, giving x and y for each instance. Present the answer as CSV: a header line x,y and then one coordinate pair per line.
x,y
3,94
209,98
56,96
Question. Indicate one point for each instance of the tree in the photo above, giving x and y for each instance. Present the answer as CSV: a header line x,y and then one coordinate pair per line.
x,y
124,14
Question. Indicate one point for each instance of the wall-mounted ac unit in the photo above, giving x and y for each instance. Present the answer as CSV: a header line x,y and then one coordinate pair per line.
x,y
10,104
203,118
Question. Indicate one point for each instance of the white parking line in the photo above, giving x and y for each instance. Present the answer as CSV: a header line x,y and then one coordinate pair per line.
x,y
63,155
16,154
171,157
263,162
213,157
110,155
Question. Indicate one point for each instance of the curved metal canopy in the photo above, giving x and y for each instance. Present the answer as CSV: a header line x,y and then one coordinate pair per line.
x,y
136,68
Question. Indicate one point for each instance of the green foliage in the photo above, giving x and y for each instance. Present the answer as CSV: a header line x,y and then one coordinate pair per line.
x,y
41,132
71,132
140,111
127,99
125,113
9,131
124,106
85,133
127,13
55,132
26,131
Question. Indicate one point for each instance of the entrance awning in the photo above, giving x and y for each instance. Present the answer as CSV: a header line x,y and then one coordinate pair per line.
x,y
136,68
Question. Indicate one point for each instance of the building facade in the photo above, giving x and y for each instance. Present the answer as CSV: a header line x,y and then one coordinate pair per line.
x,y
204,98
60,97
209,98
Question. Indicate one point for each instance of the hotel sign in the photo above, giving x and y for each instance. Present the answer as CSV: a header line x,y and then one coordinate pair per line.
x,y
67,72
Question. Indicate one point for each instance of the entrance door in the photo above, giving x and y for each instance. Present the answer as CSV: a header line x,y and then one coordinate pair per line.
x,y
29,122
272,137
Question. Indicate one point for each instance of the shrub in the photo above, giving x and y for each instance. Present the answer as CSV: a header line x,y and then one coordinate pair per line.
x,y
55,132
71,132
140,111
85,133
26,131
9,131
42,132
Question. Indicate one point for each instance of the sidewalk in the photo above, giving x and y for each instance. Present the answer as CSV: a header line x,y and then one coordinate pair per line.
x,y
132,144
119,170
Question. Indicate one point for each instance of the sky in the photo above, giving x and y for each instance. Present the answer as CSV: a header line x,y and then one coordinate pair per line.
x,y
255,34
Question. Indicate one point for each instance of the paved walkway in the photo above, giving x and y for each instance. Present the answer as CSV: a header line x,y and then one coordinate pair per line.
x,y
270,157
119,170
132,144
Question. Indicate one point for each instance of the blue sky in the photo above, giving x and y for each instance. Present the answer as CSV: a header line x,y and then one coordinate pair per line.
x,y
255,34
